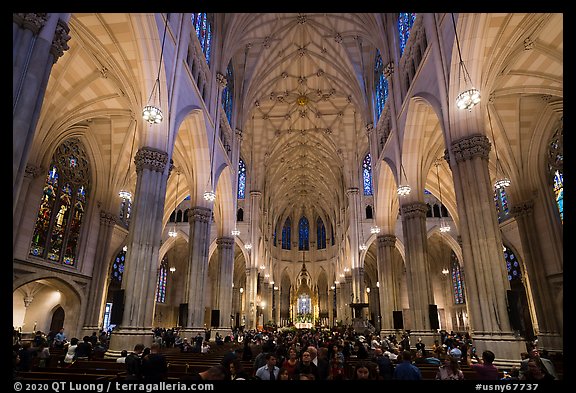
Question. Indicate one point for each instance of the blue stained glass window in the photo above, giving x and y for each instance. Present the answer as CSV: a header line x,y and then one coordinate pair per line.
x,y
512,265
63,204
286,245
381,84
118,266
161,283
457,279
303,232
228,93
367,174
501,202
320,234
559,192
203,26
405,23
241,179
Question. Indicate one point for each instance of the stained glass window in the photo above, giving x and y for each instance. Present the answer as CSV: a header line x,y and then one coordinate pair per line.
x,y
161,283
559,193
203,25
57,229
228,93
405,23
332,234
512,265
381,84
241,179
457,279
367,174
286,245
320,234
303,232
501,202
274,238
118,266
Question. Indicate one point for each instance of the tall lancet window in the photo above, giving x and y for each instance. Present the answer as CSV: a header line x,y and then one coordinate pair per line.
x,y
320,234
512,265
228,93
118,266
501,202
286,245
556,168
457,279
63,204
203,25
381,84
367,174
241,179
161,283
405,23
303,234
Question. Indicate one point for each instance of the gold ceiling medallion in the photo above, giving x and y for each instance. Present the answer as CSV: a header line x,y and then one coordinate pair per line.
x,y
302,100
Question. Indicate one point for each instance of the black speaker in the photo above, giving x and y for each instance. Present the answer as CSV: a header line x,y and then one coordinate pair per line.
x,y
183,314
398,320
215,318
433,315
514,309
117,307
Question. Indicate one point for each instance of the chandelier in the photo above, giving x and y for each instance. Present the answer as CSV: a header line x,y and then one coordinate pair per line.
x,y
152,112
501,180
468,98
403,189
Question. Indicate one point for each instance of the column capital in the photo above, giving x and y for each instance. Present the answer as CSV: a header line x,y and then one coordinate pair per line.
x,y
522,209
255,194
471,146
239,133
369,128
150,158
225,242
60,41
33,171
386,240
414,210
389,70
199,213
352,190
33,21
107,218
221,79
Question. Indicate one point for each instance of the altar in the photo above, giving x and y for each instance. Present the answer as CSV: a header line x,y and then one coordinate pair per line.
x,y
303,325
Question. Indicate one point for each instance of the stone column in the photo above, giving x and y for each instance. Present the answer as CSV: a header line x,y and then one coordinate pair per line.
x,y
484,268
541,295
142,258
250,293
31,173
199,219
100,275
235,304
417,269
389,299
353,204
39,39
254,253
224,276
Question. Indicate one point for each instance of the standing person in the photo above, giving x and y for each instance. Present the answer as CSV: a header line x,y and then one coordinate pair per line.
x,y
236,370
60,339
450,370
485,370
421,347
320,361
385,366
405,370
305,366
535,371
291,363
545,364
154,366
269,371
134,363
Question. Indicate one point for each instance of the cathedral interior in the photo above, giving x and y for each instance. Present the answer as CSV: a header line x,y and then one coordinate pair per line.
x,y
387,171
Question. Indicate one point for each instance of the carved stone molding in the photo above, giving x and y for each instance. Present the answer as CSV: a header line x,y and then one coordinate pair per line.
x,y
221,79
33,21
255,194
107,218
150,158
386,240
369,128
33,171
352,190
470,147
60,40
239,133
199,213
528,44
389,70
414,210
522,209
225,242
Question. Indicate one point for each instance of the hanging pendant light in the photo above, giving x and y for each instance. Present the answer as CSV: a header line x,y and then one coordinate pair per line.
x,y
468,98
501,180
403,189
124,193
152,112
